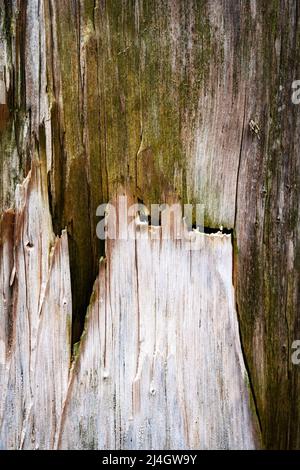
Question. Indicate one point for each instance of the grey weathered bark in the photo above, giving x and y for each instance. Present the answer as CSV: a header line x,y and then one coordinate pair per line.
x,y
154,97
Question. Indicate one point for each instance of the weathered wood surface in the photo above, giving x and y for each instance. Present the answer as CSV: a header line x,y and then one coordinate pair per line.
x,y
159,364
157,96
36,312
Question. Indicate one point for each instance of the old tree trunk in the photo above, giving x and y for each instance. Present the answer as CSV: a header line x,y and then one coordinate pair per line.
x,y
144,343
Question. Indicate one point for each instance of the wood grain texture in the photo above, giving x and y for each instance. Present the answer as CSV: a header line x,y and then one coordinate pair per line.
x,y
159,364
36,312
157,96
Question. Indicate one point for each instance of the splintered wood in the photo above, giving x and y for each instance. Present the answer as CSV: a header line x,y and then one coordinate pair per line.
x,y
35,312
159,364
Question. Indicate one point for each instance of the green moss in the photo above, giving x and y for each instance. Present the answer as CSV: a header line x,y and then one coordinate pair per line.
x,y
125,115
147,102
76,349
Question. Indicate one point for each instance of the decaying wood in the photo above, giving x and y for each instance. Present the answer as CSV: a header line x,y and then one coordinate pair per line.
x,y
36,320
155,96
157,307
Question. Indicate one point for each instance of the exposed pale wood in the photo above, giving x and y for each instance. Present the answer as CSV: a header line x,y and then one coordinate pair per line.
x,y
160,364
35,312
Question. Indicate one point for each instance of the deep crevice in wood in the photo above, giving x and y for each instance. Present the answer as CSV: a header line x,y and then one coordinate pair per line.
x,y
252,395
